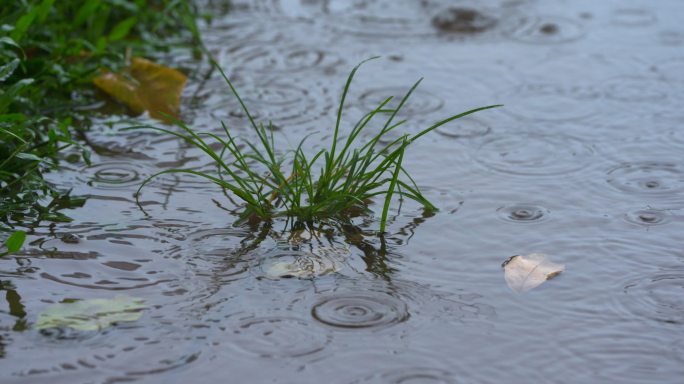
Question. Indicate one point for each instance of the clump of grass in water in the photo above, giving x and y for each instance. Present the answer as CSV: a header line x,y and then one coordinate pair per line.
x,y
328,184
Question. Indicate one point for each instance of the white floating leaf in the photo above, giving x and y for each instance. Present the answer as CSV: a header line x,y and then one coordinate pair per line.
x,y
523,273
321,261
91,315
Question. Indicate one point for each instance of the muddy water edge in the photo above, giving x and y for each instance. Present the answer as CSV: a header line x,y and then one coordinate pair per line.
x,y
584,163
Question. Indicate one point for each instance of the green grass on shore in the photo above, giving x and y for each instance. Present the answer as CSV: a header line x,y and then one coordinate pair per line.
x,y
49,52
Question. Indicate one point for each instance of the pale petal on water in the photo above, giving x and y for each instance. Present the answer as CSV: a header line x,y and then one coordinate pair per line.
x,y
92,314
523,273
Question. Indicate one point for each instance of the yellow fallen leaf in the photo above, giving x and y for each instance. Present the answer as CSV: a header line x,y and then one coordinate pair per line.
x,y
145,86
523,273
122,89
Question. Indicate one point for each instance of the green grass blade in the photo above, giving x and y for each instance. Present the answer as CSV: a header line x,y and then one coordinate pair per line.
x,y
439,124
390,191
341,107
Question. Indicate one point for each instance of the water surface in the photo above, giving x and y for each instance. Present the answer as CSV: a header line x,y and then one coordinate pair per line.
x,y
584,163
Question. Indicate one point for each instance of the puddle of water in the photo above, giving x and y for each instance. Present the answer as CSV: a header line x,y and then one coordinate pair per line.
x,y
583,164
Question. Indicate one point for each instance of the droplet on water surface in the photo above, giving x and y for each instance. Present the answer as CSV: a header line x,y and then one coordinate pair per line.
x,y
463,20
523,213
546,29
658,179
360,310
113,175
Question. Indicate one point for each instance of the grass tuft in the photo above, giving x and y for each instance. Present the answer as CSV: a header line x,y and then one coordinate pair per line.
x,y
325,185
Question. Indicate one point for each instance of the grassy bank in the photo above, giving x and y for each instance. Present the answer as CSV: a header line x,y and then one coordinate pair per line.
x,y
49,53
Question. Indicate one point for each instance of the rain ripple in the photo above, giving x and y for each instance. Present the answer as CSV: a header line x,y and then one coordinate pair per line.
x,y
368,18
421,102
358,310
630,89
656,179
658,296
632,355
648,217
220,254
129,354
633,17
552,102
410,375
523,213
282,102
278,337
672,70
535,154
279,59
465,127
547,29
464,21
113,175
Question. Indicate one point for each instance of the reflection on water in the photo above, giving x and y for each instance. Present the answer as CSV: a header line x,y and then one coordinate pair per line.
x,y
583,164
